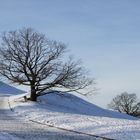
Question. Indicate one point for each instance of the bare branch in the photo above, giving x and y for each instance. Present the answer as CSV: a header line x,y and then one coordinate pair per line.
x,y
29,58
126,103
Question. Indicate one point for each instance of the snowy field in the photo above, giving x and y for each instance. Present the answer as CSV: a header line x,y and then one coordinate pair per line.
x,y
72,113
6,136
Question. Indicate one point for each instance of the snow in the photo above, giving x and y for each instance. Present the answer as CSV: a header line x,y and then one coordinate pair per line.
x,y
6,136
73,113
73,104
6,90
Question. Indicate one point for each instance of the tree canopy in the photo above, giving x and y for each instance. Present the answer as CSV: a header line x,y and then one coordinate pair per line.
x,y
29,58
126,103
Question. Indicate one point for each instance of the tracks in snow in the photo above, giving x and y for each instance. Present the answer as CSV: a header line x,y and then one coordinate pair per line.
x,y
30,129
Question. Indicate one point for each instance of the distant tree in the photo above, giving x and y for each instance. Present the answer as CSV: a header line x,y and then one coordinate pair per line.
x,y
126,103
29,58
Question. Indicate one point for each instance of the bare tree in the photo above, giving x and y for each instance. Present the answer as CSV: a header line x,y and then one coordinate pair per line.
x,y
126,103
29,58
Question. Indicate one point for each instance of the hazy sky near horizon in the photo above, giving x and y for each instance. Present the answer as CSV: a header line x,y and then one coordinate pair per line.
x,y
105,34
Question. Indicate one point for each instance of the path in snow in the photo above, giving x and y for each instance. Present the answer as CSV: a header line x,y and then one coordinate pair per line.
x,y
15,126
72,113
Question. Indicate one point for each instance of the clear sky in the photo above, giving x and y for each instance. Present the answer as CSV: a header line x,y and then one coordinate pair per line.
x,y
105,34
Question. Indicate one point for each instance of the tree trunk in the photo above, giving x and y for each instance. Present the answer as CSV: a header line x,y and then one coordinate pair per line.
x,y
33,95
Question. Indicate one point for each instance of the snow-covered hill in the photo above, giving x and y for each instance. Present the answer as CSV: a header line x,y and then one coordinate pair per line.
x,y
73,113
69,103
6,90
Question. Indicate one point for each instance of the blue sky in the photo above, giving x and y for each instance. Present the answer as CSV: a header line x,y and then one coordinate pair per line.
x,y
105,34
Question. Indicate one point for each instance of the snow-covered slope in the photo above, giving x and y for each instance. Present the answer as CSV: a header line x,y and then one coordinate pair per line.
x,y
69,103
73,113
6,89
